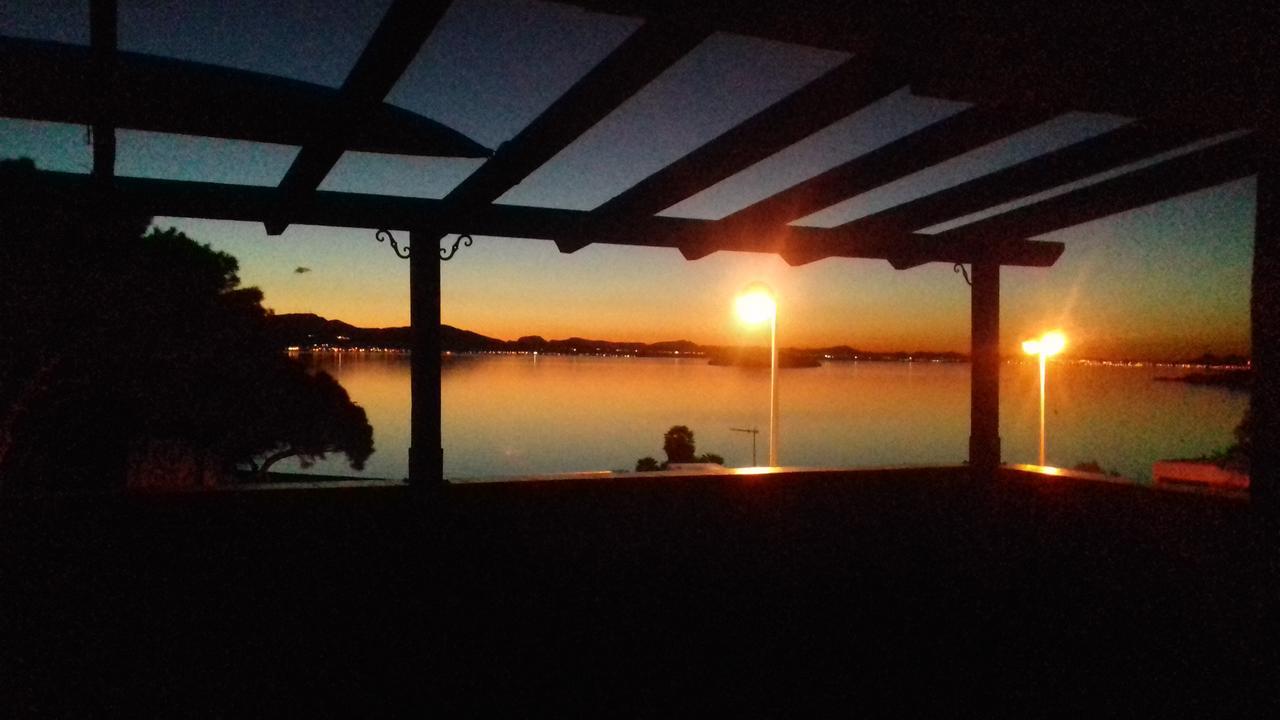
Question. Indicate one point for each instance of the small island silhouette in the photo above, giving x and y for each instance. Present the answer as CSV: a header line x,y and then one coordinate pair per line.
x,y
759,357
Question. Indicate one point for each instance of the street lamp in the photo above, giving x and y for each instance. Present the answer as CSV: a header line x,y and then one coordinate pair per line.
x,y
1051,343
755,305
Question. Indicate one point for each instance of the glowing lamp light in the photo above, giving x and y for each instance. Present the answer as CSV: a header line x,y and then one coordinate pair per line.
x,y
1050,343
756,305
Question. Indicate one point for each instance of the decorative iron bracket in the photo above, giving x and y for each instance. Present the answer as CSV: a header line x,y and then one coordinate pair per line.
x,y
403,253
959,268
385,235
462,240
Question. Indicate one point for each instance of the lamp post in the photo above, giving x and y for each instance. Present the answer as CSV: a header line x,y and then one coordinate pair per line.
x,y
757,304
1051,343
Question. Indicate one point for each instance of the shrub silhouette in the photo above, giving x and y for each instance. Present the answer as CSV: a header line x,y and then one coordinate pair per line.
x,y
647,464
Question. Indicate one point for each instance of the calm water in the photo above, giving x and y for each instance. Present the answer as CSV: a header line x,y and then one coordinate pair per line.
x,y
520,414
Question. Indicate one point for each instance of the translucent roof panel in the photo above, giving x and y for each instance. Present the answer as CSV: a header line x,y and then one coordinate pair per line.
x,y
53,146
64,21
1046,137
725,80
317,42
878,124
379,174
201,159
1081,183
491,67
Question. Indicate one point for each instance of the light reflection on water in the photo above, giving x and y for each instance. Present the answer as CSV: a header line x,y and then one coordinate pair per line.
x,y
521,414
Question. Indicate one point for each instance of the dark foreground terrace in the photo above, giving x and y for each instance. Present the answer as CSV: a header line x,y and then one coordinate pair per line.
x,y
766,595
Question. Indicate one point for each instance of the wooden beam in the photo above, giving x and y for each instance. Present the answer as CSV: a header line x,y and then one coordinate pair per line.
x,y
1197,63
393,46
941,141
1264,406
695,238
1024,253
838,93
640,58
984,381
842,25
102,40
1204,168
1128,144
55,83
801,245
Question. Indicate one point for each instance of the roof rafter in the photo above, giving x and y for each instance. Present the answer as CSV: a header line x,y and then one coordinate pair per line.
x,y
644,55
1229,160
940,141
56,84
943,140
1130,143
1199,63
393,46
838,93
1224,162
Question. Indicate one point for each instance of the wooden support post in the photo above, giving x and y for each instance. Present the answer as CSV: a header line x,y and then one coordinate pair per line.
x,y
984,382
1265,318
102,40
426,453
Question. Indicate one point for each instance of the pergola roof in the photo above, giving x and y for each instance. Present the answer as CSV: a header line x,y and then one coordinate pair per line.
x,y
1186,77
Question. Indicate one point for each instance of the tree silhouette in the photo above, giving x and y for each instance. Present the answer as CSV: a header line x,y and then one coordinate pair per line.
x,y
303,415
678,444
116,339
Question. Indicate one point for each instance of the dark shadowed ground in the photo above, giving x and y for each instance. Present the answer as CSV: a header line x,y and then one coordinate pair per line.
x,y
643,597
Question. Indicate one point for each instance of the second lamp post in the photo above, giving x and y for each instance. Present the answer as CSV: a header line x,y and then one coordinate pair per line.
x,y
1048,344
757,304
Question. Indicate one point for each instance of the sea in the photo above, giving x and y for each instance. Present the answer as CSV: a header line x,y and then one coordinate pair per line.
x,y
521,415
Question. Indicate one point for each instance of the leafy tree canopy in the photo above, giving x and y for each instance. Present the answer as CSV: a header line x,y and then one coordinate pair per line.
x,y
116,336
678,444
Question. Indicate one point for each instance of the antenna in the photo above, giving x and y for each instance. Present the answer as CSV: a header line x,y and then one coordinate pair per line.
x,y
754,432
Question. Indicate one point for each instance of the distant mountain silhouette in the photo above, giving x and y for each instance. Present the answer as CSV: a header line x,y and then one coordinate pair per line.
x,y
311,330
308,330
